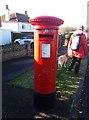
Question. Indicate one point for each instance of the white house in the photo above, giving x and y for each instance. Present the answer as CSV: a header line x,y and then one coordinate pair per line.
x,y
16,22
13,23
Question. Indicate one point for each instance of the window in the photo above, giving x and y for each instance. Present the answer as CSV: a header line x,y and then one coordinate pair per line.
x,y
23,26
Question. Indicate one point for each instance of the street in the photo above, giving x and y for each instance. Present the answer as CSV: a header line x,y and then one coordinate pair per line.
x,y
14,68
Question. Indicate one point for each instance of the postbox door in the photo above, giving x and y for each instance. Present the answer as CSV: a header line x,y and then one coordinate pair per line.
x,y
45,63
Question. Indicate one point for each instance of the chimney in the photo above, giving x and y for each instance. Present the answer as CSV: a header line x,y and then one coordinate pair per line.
x,y
7,7
7,13
26,13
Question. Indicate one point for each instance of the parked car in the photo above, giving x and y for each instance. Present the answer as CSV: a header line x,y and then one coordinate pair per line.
x,y
23,39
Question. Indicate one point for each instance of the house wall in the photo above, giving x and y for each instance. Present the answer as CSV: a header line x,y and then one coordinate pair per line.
x,y
17,26
5,37
25,27
13,26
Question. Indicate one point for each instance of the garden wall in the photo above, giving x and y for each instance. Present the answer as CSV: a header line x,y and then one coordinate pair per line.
x,y
16,51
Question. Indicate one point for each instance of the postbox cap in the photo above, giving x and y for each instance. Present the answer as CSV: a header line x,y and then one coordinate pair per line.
x,y
46,21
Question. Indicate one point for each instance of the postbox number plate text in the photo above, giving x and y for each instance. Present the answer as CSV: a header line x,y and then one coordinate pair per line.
x,y
45,50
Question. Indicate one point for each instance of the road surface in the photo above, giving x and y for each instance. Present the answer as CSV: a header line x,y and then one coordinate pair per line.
x,y
14,68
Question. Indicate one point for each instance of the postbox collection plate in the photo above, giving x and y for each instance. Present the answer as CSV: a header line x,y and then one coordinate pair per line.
x,y
45,50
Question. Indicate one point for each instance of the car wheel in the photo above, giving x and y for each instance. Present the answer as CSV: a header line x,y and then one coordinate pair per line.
x,y
17,43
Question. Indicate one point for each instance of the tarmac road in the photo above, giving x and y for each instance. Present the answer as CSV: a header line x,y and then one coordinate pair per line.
x,y
13,68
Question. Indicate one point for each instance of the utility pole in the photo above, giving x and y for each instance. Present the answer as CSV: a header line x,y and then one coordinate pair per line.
x,y
88,18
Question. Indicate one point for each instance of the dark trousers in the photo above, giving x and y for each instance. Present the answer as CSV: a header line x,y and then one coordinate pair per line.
x,y
75,61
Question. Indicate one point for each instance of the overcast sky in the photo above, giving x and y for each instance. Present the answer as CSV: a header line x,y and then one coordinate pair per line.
x,y
73,12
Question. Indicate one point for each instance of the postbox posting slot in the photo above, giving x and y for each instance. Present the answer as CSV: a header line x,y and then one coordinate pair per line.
x,y
45,37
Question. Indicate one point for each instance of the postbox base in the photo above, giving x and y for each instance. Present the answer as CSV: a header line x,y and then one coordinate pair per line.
x,y
44,101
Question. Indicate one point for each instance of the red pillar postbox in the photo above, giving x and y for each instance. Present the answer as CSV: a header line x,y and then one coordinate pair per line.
x,y
45,57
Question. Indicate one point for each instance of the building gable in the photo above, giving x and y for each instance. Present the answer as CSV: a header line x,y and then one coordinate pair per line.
x,y
17,17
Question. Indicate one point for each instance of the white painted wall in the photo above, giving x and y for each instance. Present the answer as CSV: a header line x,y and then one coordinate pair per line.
x,y
17,26
13,26
7,15
27,27
8,27
5,37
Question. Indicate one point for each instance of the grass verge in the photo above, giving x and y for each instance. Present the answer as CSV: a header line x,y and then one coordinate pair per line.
x,y
66,82
67,85
26,80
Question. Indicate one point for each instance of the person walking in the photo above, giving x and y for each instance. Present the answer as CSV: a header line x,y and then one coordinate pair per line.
x,y
81,52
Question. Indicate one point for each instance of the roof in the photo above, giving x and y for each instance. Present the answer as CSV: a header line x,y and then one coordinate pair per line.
x,y
17,17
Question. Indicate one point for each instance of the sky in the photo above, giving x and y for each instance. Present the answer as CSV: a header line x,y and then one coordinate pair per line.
x,y
73,12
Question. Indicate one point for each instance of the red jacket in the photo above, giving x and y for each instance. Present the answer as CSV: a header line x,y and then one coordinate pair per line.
x,y
83,50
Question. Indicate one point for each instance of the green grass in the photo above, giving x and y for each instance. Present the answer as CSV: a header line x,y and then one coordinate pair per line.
x,y
26,80
66,82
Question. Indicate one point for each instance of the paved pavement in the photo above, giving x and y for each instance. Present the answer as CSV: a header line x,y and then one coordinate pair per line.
x,y
83,108
80,105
